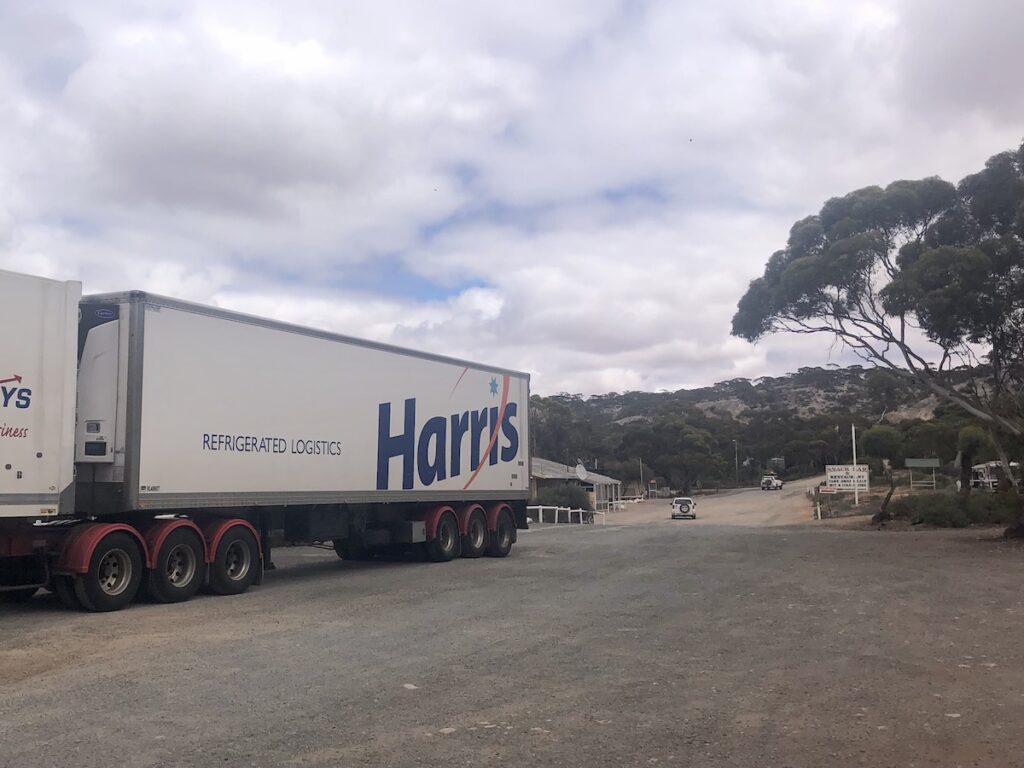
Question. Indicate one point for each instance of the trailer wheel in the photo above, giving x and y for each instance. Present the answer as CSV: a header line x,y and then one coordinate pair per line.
x,y
235,563
474,543
114,575
445,544
501,540
179,569
64,588
18,595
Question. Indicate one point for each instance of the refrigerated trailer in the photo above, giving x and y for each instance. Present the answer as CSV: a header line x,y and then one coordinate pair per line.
x,y
150,446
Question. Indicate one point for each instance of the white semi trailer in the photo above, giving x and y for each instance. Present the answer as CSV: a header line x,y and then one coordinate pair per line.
x,y
149,445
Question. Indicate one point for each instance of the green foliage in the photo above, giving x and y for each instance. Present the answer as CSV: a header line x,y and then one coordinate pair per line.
x,y
572,496
994,508
883,442
931,439
971,440
885,387
826,269
942,510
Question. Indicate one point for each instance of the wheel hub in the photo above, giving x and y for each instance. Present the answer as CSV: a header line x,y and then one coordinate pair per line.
x,y
477,534
447,537
237,561
181,566
115,572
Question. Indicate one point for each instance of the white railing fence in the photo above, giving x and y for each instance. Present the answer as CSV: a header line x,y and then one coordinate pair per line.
x,y
557,514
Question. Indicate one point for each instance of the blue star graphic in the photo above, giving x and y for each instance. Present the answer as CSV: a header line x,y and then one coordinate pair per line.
x,y
494,386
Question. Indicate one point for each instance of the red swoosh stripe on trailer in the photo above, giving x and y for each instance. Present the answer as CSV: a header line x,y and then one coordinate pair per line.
x,y
464,370
494,435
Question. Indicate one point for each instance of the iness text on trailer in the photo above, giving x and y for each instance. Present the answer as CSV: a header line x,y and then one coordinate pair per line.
x,y
151,446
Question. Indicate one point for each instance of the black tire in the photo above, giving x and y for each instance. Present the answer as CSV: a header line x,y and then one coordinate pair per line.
x,y
351,549
180,568
115,572
474,543
64,588
236,563
17,596
500,543
446,542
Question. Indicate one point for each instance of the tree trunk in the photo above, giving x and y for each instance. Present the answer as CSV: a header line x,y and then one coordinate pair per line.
x,y
1005,461
1016,530
882,515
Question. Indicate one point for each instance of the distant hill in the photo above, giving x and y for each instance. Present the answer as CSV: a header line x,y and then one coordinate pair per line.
x,y
686,437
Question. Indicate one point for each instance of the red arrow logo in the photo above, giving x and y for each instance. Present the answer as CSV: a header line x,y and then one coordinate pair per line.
x,y
15,377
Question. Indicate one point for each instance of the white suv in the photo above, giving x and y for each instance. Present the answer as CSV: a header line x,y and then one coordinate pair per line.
x,y
684,507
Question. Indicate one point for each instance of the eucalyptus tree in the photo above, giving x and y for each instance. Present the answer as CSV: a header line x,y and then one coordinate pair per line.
x,y
922,278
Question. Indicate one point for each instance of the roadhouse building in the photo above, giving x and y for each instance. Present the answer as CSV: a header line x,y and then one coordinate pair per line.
x,y
605,492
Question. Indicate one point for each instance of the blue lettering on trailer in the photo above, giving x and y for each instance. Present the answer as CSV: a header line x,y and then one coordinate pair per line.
x,y
14,396
434,453
273,445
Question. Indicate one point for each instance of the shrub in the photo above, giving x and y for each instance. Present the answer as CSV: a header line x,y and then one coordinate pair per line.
x,y
994,508
946,510
901,508
939,509
563,496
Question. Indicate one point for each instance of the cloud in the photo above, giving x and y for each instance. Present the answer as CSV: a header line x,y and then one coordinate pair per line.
x,y
581,190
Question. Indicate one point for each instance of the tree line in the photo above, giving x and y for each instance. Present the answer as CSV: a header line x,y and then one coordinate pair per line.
x,y
682,440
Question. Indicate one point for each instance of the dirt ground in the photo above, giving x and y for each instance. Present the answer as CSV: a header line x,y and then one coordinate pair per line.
x,y
749,637
749,507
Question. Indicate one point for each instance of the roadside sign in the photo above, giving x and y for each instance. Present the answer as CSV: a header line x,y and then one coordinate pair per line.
x,y
922,464
826,489
847,477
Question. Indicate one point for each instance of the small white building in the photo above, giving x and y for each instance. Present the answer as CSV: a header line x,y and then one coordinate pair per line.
x,y
605,492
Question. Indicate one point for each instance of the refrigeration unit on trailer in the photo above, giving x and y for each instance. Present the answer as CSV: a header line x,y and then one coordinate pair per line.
x,y
204,437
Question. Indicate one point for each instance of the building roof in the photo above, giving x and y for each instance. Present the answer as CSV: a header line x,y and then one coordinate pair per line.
x,y
545,469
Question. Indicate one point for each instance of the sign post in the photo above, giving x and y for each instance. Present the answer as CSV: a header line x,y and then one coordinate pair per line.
x,y
856,491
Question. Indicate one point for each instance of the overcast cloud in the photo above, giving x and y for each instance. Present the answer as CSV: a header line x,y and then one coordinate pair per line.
x,y
578,189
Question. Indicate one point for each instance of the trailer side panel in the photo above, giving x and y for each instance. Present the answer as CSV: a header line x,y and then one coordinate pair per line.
x,y
233,413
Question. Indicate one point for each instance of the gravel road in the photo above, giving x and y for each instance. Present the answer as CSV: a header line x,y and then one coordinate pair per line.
x,y
732,640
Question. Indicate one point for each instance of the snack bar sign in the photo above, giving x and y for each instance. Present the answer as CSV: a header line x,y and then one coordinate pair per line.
x,y
847,477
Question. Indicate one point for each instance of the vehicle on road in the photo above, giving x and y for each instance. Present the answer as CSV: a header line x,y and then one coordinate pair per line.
x,y
149,445
684,507
988,476
771,483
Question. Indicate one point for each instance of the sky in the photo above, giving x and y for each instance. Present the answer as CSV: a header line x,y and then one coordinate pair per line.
x,y
581,189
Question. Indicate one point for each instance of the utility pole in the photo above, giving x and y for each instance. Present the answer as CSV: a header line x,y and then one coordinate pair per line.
x,y
642,477
736,447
